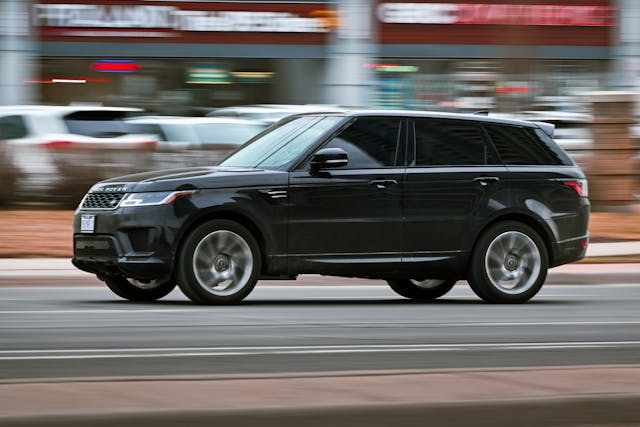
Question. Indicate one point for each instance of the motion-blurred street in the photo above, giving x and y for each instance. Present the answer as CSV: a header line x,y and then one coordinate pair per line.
x,y
309,352
87,332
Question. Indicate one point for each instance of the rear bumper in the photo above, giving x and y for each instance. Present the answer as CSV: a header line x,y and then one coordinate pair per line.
x,y
570,251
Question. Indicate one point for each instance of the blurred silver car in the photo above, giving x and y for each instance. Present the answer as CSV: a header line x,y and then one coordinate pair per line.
x,y
195,141
196,132
271,113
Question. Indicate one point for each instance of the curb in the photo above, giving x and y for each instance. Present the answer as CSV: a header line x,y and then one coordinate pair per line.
x,y
60,272
611,276
524,397
593,412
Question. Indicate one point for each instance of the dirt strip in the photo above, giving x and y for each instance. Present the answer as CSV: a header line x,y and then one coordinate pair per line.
x,y
48,233
574,396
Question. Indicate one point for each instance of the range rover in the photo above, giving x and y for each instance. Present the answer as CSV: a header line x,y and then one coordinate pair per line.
x,y
421,200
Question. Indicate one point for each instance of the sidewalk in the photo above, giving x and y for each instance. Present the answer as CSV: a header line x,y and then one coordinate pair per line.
x,y
596,268
568,396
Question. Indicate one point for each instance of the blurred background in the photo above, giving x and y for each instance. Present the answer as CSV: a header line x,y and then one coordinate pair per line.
x,y
95,89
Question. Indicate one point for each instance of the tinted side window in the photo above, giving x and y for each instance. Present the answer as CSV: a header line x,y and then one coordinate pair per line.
x,y
370,143
553,146
521,146
12,127
449,142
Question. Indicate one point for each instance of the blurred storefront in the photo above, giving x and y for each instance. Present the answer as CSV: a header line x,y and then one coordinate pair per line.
x,y
181,56
502,55
174,56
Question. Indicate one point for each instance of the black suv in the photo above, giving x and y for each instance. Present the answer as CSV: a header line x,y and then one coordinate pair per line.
x,y
420,200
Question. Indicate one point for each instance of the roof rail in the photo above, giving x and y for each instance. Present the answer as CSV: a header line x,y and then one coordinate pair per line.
x,y
481,113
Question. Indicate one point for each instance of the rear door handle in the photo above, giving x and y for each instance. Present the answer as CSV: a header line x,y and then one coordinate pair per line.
x,y
383,183
486,180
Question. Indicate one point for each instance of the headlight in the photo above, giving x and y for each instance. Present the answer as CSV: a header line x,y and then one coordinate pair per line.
x,y
152,199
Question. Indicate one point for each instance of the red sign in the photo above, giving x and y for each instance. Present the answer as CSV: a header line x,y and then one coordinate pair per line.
x,y
496,14
579,23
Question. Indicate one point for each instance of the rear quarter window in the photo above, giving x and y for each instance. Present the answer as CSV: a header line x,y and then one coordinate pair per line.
x,y
518,145
97,124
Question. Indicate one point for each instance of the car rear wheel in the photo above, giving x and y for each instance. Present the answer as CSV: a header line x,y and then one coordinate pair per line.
x,y
421,289
136,290
219,263
509,263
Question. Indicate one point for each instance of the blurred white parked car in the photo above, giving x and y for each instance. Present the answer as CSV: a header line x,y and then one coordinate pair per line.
x,y
57,149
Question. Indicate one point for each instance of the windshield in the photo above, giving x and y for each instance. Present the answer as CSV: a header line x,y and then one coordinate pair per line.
x,y
282,144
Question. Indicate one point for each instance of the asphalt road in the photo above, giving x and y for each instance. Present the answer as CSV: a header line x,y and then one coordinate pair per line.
x,y
87,331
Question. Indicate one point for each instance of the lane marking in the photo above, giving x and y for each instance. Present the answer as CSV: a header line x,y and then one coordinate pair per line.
x,y
328,324
296,350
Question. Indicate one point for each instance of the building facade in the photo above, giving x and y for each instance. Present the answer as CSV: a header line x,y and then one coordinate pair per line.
x,y
181,56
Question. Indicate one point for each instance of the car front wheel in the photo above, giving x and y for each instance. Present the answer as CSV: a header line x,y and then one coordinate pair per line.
x,y
509,263
219,263
421,289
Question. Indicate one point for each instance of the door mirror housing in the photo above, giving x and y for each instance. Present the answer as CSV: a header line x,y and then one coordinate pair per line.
x,y
329,158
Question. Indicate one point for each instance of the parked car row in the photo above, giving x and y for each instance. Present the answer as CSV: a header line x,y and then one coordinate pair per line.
x,y
55,153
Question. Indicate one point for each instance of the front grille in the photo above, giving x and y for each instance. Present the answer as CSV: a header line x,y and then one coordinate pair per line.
x,y
102,200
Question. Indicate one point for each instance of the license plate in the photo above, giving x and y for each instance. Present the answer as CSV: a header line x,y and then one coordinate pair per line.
x,y
87,223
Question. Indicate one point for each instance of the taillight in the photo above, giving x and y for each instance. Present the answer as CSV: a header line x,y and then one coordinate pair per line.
x,y
56,145
580,186
147,145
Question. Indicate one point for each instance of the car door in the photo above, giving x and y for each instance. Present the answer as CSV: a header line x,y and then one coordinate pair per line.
x,y
454,180
348,219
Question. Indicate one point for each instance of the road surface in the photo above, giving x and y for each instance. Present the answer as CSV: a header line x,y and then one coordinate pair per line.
x,y
64,332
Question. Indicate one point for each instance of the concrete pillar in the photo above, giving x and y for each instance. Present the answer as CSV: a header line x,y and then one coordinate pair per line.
x,y
626,46
17,53
347,81
611,167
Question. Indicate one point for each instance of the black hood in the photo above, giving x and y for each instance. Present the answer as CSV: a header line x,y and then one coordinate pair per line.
x,y
190,179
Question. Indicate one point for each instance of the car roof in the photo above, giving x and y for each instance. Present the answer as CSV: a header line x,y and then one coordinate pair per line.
x,y
276,108
60,109
191,120
427,114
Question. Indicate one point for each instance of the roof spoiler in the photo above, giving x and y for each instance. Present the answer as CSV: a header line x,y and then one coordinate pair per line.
x,y
547,128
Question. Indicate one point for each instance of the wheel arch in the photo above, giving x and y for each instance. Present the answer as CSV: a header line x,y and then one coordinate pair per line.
x,y
537,225
243,219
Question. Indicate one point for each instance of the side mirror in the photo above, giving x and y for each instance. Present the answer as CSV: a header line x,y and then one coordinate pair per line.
x,y
328,158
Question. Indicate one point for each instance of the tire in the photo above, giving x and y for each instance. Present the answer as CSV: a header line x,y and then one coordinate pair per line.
x,y
219,263
134,290
509,264
421,290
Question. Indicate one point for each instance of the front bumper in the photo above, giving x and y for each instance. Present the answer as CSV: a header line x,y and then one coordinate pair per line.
x,y
131,242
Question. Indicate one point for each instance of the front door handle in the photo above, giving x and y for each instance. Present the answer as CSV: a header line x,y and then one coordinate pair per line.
x,y
383,183
486,180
